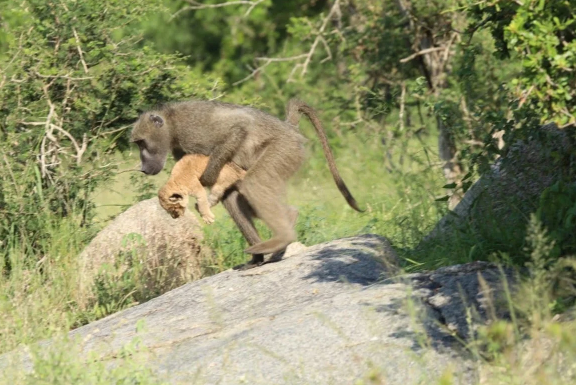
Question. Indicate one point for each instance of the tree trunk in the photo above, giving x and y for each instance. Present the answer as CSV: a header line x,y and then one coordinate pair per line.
x,y
433,67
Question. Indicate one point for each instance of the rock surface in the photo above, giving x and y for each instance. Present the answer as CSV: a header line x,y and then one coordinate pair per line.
x,y
463,297
146,230
332,313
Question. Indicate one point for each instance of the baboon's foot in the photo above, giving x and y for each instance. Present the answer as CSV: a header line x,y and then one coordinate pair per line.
x,y
272,245
276,257
257,260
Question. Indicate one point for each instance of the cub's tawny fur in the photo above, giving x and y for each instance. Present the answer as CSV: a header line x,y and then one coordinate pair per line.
x,y
184,181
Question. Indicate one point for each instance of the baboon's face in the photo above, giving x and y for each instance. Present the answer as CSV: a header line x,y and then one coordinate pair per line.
x,y
152,160
153,139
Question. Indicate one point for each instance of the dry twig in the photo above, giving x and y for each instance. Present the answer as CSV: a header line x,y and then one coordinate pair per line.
x,y
334,12
423,52
196,6
80,149
402,106
80,50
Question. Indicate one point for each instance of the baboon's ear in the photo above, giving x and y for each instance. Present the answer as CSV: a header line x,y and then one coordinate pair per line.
x,y
158,121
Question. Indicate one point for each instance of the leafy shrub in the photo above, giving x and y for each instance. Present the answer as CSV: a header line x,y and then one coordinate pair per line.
x,y
74,75
557,212
542,34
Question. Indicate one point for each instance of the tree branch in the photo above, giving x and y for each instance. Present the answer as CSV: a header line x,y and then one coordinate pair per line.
x,y
80,50
196,6
423,52
402,106
67,76
335,10
267,61
80,149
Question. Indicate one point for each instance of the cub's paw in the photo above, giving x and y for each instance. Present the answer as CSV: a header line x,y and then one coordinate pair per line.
x,y
208,217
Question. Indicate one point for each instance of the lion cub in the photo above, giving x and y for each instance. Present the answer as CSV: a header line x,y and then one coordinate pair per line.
x,y
184,181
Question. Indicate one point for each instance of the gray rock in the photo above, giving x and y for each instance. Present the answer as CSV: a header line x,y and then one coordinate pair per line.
x,y
147,232
463,297
495,209
333,313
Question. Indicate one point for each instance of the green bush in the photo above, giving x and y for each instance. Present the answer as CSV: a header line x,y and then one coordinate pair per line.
x,y
542,35
557,212
74,74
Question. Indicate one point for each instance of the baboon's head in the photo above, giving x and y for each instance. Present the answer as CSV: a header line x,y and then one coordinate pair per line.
x,y
152,136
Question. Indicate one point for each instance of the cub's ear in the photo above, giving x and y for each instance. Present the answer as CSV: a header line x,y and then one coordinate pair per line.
x,y
157,120
175,198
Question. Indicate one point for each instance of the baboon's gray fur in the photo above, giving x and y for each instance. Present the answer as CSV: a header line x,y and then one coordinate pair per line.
x,y
269,149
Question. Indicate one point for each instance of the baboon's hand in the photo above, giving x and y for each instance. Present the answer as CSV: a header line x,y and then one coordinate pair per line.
x,y
222,153
208,178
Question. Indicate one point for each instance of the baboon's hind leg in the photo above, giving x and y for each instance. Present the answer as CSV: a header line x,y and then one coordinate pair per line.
x,y
277,256
264,186
293,211
242,214
278,218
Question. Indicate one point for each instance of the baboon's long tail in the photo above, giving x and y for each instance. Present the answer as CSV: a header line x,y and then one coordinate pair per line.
x,y
296,107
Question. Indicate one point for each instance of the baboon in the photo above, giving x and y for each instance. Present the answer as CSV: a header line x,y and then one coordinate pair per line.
x,y
184,181
270,150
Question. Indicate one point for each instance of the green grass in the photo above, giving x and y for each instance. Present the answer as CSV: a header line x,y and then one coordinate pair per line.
x,y
63,362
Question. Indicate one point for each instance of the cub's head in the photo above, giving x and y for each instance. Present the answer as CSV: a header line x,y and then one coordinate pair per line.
x,y
174,202
152,136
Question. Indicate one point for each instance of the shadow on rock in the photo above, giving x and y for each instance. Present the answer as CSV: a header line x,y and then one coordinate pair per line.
x,y
358,260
